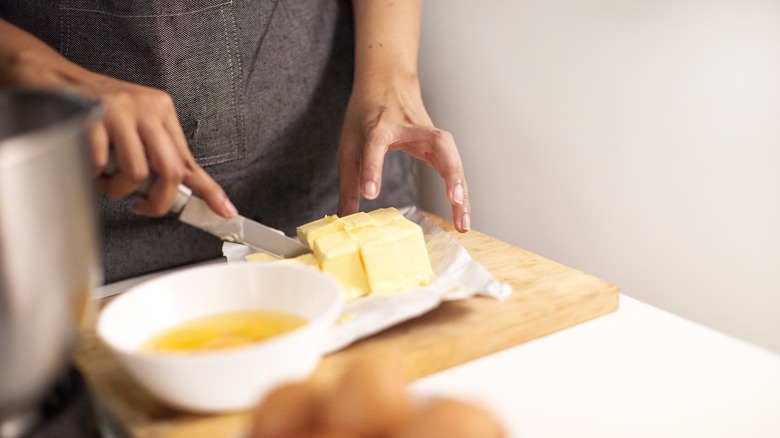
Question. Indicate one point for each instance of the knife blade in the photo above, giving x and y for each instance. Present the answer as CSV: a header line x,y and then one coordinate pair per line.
x,y
193,211
239,229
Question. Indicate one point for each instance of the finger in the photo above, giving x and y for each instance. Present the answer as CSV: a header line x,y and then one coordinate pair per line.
x,y
461,213
349,160
132,167
98,146
444,157
165,165
195,177
374,151
204,186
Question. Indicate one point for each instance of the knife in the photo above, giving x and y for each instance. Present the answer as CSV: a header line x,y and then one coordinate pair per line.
x,y
192,210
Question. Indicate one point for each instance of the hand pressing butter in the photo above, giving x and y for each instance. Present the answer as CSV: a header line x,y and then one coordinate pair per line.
x,y
379,252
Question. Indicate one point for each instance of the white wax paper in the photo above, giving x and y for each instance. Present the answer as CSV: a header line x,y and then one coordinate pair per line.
x,y
456,276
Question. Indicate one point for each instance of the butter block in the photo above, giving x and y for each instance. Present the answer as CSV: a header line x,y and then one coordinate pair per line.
x,y
309,232
414,260
261,257
357,221
339,256
381,259
384,215
394,256
308,260
303,260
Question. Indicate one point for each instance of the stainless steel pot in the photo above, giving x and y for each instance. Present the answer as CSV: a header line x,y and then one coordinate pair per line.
x,y
48,251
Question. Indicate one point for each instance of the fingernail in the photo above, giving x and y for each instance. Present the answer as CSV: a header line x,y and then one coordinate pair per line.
x,y
230,208
457,194
465,221
369,190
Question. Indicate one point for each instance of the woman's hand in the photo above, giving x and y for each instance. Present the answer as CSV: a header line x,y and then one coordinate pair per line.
x,y
140,126
386,111
386,115
142,130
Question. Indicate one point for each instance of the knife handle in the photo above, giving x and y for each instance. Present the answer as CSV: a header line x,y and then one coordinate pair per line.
x,y
182,195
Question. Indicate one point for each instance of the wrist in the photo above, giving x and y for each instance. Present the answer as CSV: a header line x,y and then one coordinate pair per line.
x,y
391,78
34,68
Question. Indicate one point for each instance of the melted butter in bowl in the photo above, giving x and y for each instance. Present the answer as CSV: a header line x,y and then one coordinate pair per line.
x,y
222,331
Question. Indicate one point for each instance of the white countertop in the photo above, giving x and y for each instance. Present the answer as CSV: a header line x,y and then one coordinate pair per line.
x,y
637,372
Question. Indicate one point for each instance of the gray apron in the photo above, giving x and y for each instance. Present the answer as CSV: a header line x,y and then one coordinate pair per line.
x,y
260,89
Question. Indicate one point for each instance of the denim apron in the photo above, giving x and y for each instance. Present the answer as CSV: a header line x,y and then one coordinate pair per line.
x,y
260,88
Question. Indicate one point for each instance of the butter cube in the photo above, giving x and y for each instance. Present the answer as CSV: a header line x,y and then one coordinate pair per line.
x,y
414,260
261,257
384,215
394,256
308,260
381,259
339,256
357,221
309,232
303,260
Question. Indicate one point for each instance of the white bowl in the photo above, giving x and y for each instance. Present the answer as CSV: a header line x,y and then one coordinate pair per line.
x,y
231,379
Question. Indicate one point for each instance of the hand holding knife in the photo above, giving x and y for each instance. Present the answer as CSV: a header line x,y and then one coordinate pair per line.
x,y
194,211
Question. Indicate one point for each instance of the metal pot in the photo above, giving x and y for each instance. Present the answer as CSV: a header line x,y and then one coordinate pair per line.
x,y
48,252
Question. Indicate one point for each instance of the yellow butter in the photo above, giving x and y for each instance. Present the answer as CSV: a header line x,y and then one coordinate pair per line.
x,y
309,232
339,256
413,253
308,260
394,256
261,257
304,260
357,221
384,215
381,259
379,252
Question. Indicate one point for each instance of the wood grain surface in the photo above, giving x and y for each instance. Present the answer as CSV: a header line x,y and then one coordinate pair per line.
x,y
547,297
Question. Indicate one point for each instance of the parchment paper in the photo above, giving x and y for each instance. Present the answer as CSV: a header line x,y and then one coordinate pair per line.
x,y
456,276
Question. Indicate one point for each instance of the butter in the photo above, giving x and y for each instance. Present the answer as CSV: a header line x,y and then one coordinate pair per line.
x,y
394,256
261,257
379,252
303,260
357,221
309,232
384,215
339,256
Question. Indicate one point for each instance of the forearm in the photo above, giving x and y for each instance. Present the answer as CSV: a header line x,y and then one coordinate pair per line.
x,y
27,62
386,40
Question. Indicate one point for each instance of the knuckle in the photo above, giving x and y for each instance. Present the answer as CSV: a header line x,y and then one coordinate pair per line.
x,y
377,137
135,174
170,173
442,137
161,100
157,210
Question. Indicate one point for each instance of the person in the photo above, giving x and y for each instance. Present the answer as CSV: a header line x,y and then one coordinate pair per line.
x,y
283,110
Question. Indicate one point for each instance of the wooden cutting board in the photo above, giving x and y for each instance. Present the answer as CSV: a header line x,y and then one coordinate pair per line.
x,y
547,297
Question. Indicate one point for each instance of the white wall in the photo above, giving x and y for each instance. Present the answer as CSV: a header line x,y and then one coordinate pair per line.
x,y
638,141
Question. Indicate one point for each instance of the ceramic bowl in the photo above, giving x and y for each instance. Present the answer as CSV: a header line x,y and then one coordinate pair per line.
x,y
231,379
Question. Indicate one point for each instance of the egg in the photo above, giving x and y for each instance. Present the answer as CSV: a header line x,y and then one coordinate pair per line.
x,y
289,411
448,418
369,398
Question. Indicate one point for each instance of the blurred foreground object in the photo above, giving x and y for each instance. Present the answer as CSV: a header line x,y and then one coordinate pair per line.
x,y
369,400
48,244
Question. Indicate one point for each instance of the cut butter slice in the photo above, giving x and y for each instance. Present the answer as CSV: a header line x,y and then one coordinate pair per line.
x,y
339,256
